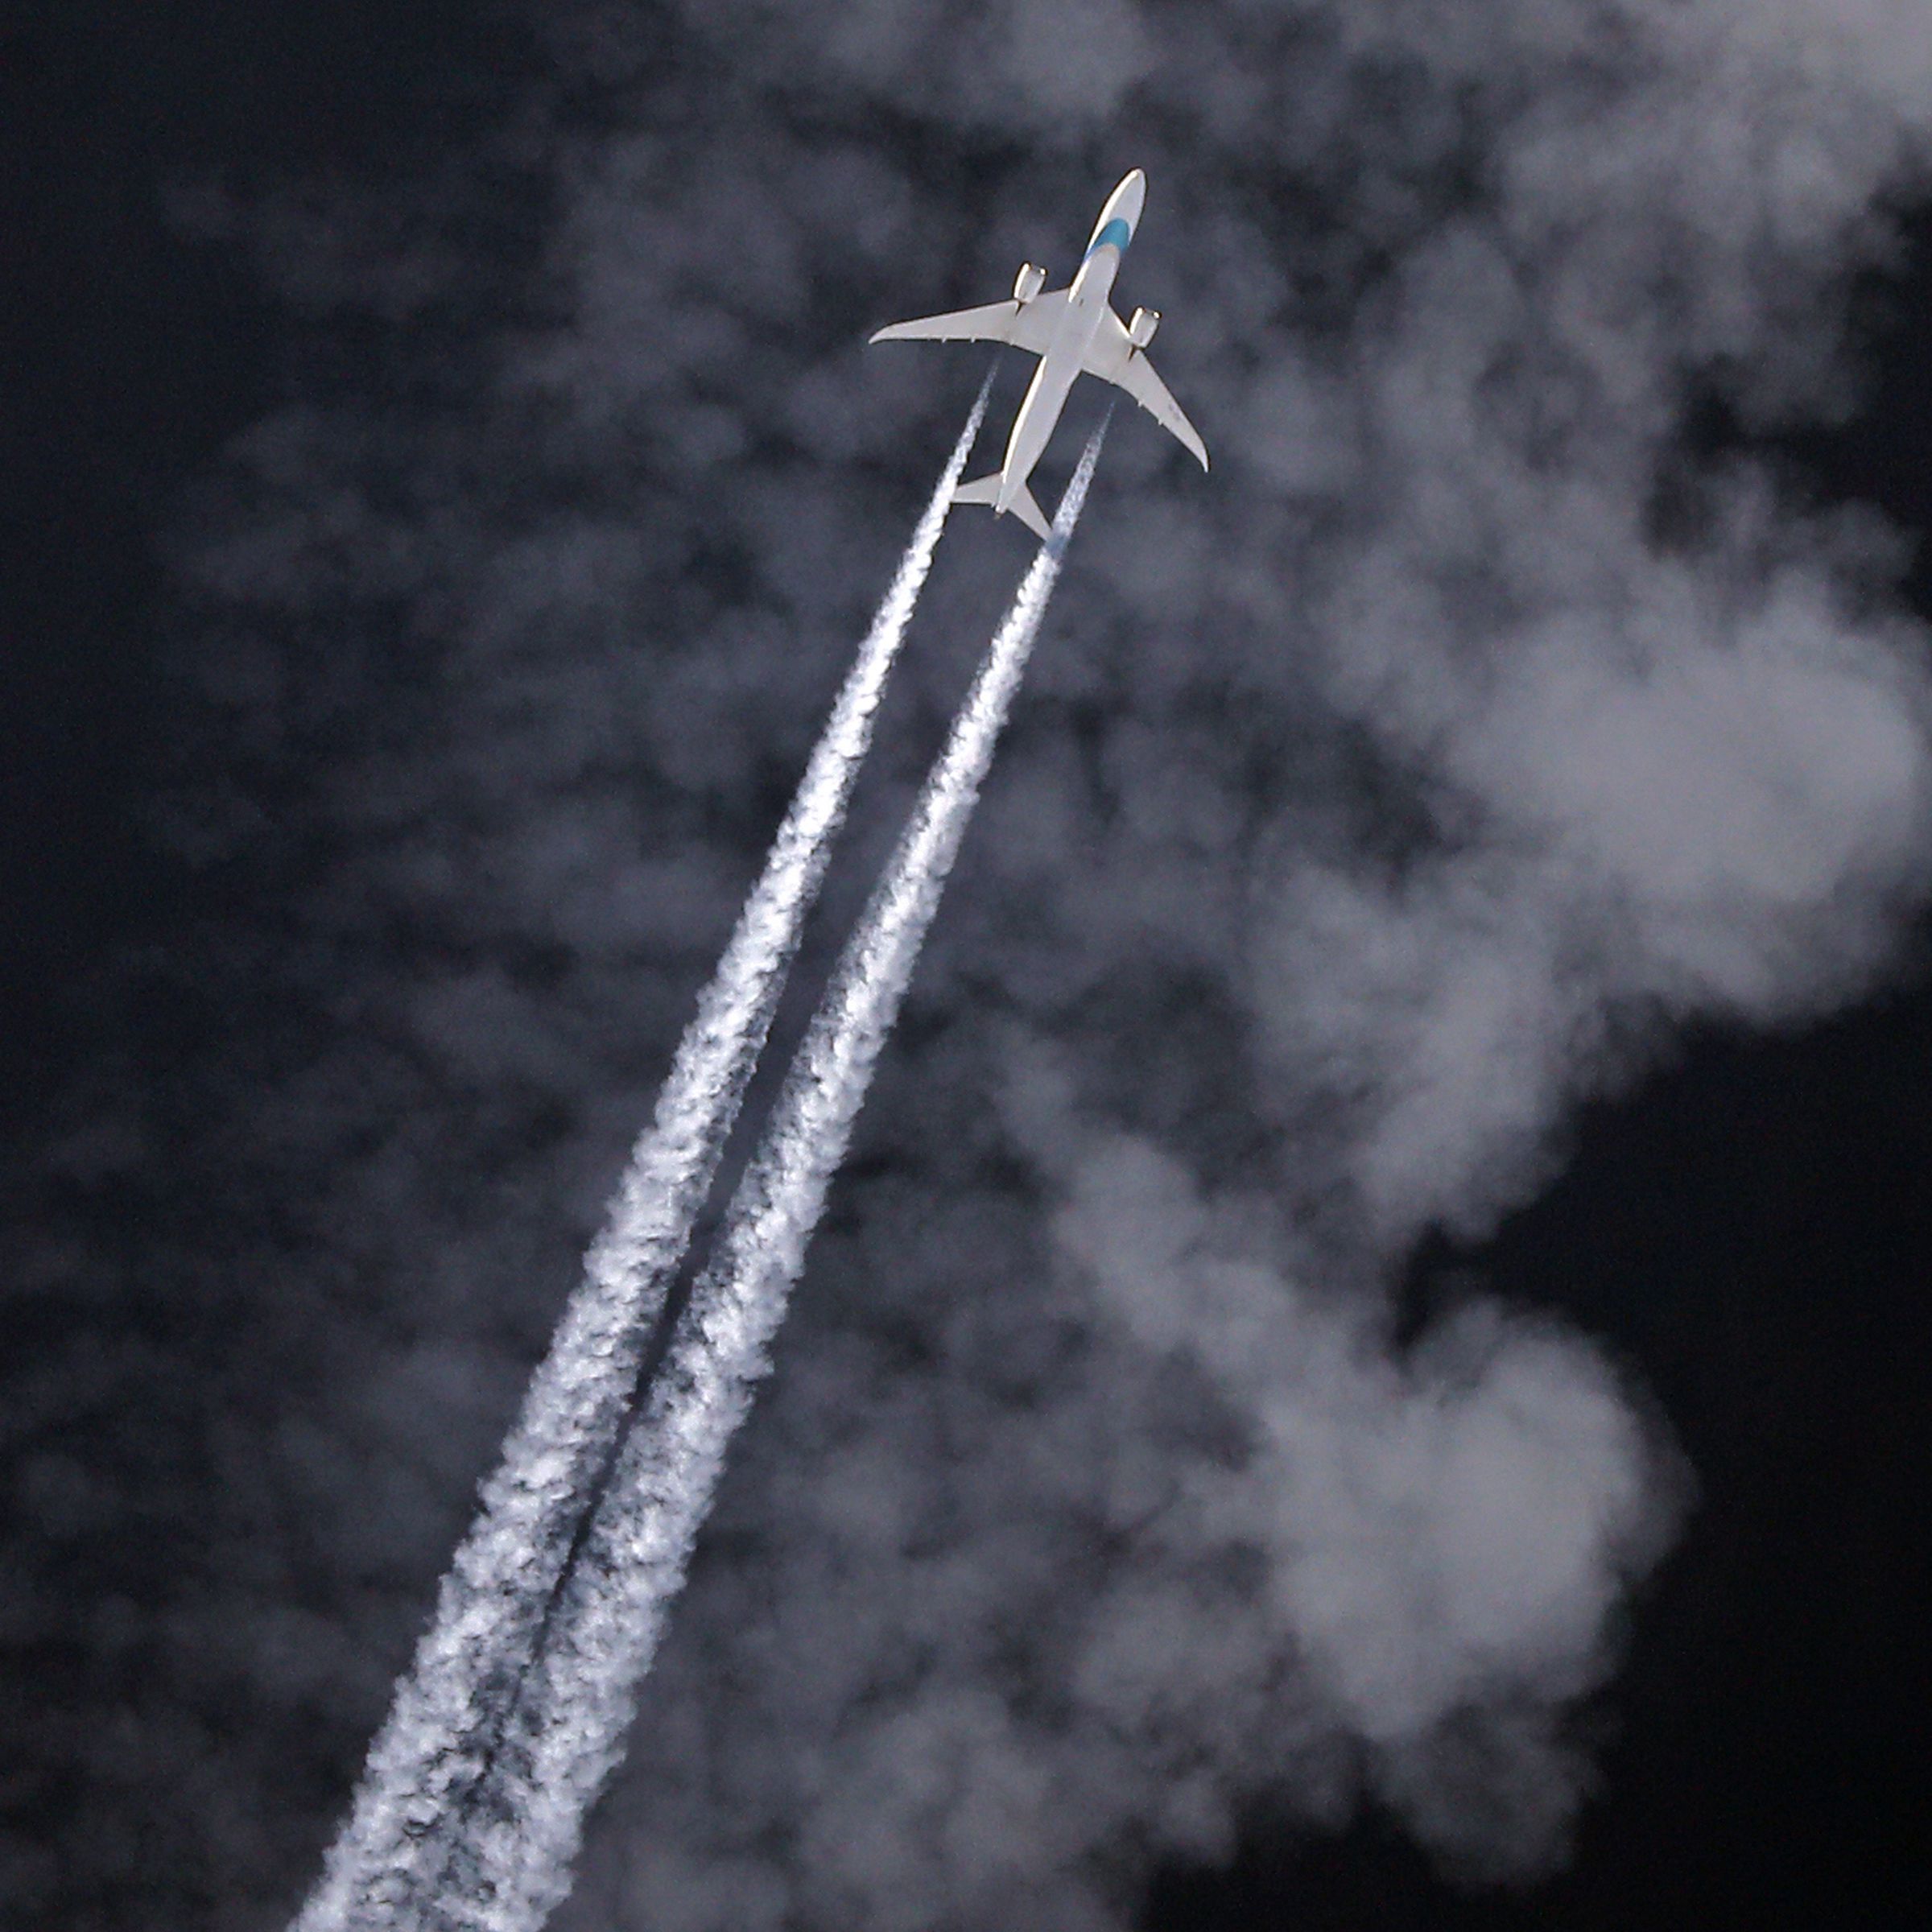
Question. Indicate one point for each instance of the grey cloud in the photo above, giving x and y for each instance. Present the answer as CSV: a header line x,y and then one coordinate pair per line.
x,y
1371,800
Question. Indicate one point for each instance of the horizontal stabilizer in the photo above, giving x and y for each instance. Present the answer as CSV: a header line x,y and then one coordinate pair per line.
x,y
986,489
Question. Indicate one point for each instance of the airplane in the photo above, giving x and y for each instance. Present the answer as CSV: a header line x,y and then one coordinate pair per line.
x,y
1071,330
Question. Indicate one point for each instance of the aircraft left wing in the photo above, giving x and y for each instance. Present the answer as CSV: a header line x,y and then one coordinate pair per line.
x,y
1028,325
1114,359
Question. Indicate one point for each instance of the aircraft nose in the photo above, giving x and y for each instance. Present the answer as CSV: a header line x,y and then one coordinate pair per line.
x,y
1127,197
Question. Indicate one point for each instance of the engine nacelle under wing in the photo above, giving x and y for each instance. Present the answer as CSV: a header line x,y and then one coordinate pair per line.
x,y
1028,282
1140,331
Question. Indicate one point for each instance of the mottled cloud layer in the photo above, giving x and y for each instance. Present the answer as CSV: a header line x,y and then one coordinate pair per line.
x,y
1372,800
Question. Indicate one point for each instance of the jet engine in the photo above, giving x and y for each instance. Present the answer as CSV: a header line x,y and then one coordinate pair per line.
x,y
1028,282
1140,331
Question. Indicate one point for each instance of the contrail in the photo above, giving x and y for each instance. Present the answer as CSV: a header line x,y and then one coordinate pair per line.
x,y
567,1733
435,1742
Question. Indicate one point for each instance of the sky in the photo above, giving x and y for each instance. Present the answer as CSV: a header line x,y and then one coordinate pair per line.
x,y
1361,1371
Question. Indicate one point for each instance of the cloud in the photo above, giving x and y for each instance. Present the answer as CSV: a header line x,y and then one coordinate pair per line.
x,y
1371,800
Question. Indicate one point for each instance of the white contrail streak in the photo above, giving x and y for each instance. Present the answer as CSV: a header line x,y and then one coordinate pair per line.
x,y
435,1743
567,1733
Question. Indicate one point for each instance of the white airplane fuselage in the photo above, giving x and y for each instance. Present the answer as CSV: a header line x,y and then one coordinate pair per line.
x,y
1087,302
1074,332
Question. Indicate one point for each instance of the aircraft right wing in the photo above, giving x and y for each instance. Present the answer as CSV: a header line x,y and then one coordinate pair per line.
x,y
1114,359
1027,325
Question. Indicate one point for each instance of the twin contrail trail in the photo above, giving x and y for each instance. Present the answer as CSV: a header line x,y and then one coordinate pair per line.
x,y
437,1740
566,1730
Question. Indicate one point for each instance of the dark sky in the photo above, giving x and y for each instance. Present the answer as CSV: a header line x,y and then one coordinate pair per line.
x,y
1454,902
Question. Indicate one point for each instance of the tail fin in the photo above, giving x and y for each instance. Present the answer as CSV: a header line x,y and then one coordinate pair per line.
x,y
986,489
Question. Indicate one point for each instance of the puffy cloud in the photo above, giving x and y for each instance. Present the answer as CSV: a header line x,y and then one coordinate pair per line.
x,y
1373,798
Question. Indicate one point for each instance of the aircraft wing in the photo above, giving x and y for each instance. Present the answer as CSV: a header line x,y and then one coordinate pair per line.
x,y
1027,325
1114,358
